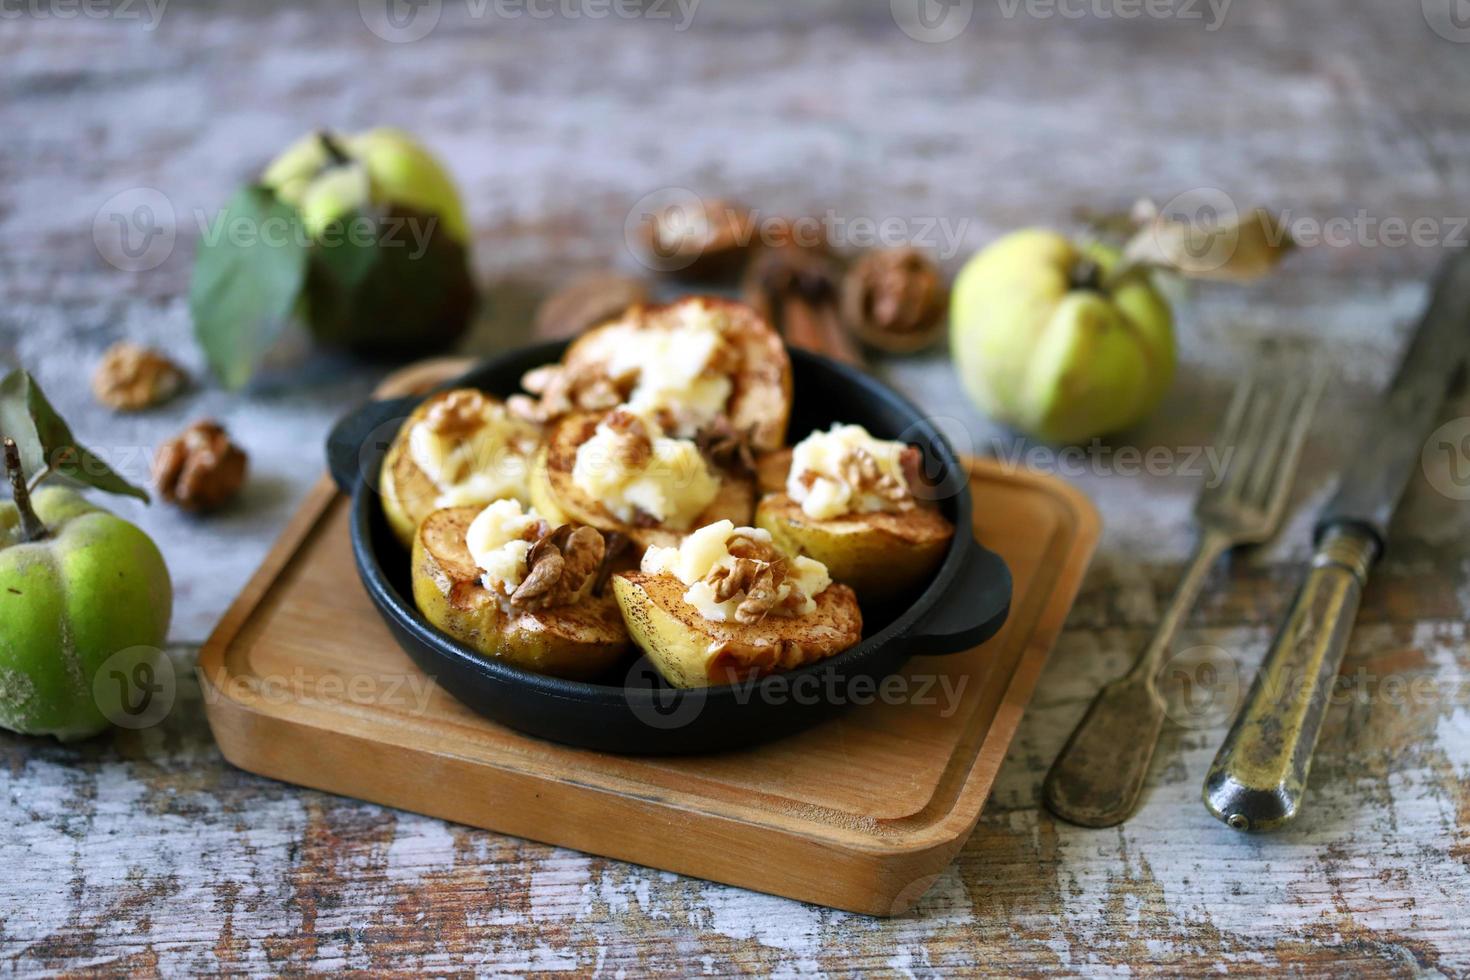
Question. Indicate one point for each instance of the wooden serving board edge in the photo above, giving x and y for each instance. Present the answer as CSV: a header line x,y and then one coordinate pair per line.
x,y
885,878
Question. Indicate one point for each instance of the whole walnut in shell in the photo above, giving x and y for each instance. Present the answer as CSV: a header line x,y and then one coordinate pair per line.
x,y
200,469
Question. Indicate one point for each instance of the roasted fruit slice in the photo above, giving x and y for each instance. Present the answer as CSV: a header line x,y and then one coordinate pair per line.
x,y
613,473
552,623
726,606
848,503
458,448
880,554
697,364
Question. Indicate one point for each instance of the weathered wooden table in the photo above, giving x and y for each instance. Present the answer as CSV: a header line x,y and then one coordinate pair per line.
x,y
146,851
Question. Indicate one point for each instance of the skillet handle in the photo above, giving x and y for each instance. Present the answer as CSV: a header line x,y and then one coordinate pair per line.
x,y
372,420
972,611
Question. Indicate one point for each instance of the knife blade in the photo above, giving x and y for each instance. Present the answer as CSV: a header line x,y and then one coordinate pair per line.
x,y
1258,779
1370,487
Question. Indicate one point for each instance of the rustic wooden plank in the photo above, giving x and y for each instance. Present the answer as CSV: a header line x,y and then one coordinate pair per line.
x,y
146,851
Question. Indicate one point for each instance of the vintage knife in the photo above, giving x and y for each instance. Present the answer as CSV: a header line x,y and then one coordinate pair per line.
x,y
1259,777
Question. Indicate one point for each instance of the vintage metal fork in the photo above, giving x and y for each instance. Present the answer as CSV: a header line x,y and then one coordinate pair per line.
x,y
1098,778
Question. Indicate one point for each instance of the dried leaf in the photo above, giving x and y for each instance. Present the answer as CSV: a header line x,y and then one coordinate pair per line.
x,y
1212,244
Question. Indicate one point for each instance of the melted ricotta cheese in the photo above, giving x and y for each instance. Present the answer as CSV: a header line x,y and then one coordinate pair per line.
x,y
703,551
673,366
475,468
817,480
673,485
498,540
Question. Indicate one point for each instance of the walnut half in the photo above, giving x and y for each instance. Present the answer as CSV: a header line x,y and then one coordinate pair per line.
x,y
200,469
132,377
755,578
861,472
561,567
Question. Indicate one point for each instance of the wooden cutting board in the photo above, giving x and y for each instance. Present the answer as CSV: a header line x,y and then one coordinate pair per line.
x,y
303,682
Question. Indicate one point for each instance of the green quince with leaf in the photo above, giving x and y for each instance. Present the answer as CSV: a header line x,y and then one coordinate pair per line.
x,y
360,238
1068,340
80,589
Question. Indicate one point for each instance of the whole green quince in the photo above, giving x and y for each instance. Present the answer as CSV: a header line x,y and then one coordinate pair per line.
x,y
359,239
1046,340
328,177
92,590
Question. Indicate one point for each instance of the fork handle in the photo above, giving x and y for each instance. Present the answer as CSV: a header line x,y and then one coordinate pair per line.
x,y
1099,776
1259,778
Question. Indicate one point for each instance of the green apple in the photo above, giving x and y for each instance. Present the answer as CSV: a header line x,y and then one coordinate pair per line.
x,y
1045,342
326,177
94,590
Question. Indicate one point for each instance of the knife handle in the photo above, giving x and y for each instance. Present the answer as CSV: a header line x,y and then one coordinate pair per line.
x,y
1260,775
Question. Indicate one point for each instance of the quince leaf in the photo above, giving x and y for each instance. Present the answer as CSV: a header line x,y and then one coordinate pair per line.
x,y
43,437
1244,249
248,274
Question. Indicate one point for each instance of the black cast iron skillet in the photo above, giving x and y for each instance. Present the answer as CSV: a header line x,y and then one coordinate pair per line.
x,y
633,711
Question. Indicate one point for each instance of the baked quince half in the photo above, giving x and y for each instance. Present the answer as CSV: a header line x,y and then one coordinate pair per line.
x,y
459,448
849,504
696,366
727,605
619,473
507,583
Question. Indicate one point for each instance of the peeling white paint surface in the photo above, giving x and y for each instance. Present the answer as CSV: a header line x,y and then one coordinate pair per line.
x,y
147,853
